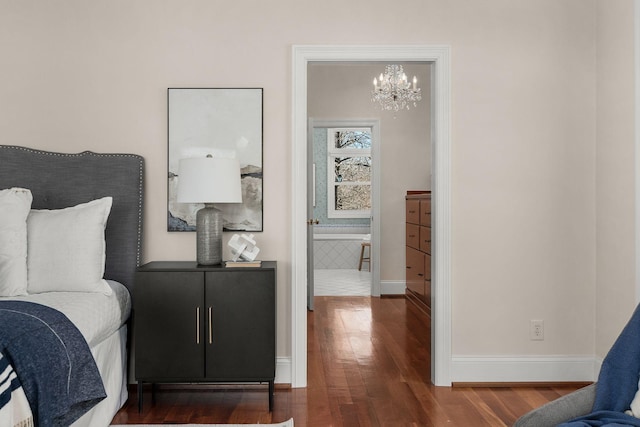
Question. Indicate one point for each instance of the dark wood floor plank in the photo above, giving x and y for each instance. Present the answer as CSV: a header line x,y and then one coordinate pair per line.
x,y
368,365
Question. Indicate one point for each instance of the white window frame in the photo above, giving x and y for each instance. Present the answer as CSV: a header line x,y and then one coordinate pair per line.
x,y
333,152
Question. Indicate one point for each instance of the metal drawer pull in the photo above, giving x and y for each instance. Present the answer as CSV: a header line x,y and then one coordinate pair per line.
x,y
197,325
210,327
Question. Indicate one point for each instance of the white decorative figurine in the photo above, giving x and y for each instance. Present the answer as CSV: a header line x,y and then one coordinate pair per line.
x,y
243,247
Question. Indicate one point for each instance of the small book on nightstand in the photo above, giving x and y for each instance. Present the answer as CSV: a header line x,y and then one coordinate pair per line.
x,y
243,263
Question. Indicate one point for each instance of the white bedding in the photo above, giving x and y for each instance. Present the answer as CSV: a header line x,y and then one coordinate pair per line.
x,y
111,358
102,321
96,315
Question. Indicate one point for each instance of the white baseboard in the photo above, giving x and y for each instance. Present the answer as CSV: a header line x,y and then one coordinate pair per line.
x,y
524,369
598,366
497,369
392,287
283,370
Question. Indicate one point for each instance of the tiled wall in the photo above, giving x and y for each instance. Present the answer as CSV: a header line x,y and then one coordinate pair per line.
x,y
338,254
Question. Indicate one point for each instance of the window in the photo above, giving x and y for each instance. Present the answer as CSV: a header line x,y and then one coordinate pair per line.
x,y
349,172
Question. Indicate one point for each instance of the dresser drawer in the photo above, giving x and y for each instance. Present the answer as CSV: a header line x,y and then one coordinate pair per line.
x,y
413,211
415,271
425,239
427,267
427,293
425,211
413,236
427,280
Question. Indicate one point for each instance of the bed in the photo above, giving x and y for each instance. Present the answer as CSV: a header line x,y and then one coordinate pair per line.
x,y
57,182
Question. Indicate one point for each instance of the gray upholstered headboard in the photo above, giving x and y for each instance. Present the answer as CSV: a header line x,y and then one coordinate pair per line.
x,y
59,180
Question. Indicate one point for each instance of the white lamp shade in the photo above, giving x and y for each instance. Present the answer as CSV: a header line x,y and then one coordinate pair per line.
x,y
209,180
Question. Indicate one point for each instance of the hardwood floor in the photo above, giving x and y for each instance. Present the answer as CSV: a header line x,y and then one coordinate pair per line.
x,y
368,365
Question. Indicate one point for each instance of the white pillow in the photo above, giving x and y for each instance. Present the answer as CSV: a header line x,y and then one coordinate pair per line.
x,y
15,204
66,248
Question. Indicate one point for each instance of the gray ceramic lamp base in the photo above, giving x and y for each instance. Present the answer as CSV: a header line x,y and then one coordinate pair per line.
x,y
209,236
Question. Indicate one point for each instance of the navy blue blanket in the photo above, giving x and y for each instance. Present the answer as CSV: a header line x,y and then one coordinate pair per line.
x,y
52,360
617,382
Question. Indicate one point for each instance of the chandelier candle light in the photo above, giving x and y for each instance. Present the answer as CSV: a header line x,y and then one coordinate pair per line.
x,y
209,180
393,91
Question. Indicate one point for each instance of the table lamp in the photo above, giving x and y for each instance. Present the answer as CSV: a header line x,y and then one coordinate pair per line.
x,y
209,180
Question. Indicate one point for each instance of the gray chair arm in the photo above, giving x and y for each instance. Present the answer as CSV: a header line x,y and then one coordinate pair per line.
x,y
563,409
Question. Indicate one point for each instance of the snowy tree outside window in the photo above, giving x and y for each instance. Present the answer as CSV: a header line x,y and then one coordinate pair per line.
x,y
349,170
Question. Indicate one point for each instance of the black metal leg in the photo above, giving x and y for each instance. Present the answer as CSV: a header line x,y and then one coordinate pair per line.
x,y
139,396
271,390
153,393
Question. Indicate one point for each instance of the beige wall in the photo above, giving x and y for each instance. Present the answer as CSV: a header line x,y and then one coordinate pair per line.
x,y
343,91
527,239
523,172
615,191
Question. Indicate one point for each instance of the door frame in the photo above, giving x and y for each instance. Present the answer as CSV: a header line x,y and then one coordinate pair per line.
x,y
439,56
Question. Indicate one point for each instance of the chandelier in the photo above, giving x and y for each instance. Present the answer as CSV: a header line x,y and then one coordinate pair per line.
x,y
393,91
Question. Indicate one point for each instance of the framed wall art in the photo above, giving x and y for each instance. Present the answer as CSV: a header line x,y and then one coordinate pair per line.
x,y
222,122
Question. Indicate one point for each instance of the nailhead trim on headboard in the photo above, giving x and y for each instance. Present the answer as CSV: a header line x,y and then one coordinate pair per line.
x,y
140,161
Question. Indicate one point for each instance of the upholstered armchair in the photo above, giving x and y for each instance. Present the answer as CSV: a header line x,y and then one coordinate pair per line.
x,y
563,409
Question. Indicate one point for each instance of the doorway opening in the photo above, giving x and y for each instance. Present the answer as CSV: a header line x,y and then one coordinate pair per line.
x,y
339,245
441,151
342,197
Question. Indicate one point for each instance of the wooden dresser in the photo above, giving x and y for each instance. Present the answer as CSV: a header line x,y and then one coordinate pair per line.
x,y
418,249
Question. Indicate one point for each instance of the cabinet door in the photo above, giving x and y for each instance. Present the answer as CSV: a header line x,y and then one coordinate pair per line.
x,y
169,315
415,271
241,325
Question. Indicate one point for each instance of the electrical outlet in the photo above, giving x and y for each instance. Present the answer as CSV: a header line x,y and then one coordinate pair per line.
x,y
536,330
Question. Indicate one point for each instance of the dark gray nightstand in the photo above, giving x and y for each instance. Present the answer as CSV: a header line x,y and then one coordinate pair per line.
x,y
201,324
